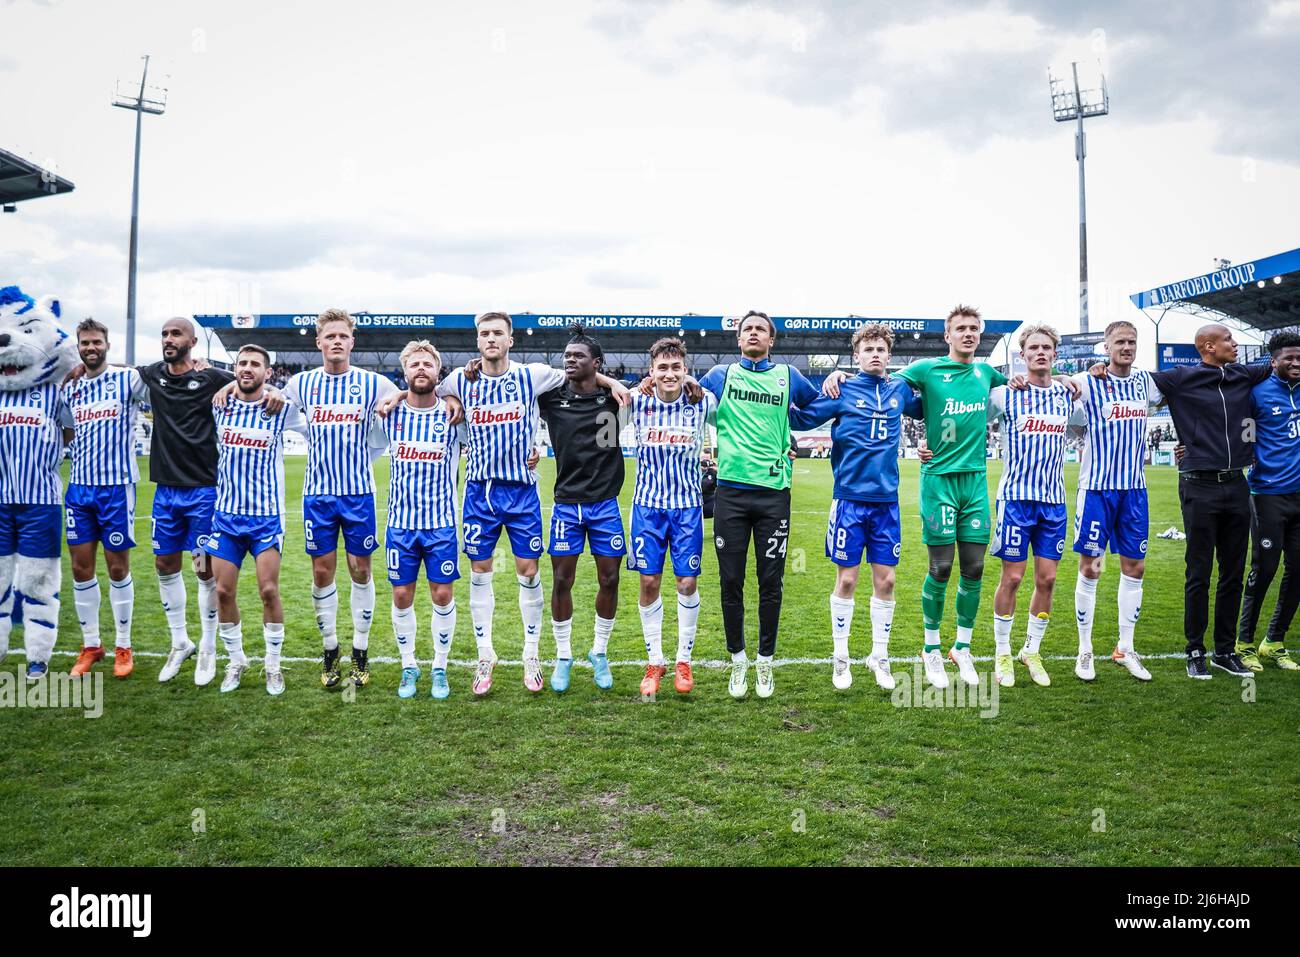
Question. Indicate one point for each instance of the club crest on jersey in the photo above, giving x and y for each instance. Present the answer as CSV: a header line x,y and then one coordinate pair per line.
x,y
616,541
448,567
719,541
978,373
116,538
893,403
694,563
439,427
369,542
355,389
510,385
194,384
898,549
535,543
110,386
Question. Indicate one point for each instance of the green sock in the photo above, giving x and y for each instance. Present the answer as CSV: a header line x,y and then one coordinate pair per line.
x,y
933,595
968,606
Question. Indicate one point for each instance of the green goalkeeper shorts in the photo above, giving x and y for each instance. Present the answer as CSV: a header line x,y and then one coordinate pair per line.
x,y
955,507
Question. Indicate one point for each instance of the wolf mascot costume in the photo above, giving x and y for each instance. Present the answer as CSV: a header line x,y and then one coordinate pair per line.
x,y
35,355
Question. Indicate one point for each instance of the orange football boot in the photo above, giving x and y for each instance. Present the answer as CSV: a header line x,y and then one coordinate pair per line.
x,y
123,663
684,683
86,660
650,683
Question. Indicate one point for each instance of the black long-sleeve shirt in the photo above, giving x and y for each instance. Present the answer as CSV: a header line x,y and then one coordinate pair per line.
x,y
1211,408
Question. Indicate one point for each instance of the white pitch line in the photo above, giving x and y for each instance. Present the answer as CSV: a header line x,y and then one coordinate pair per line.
x,y
631,663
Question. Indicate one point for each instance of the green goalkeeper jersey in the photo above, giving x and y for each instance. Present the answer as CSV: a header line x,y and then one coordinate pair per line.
x,y
955,396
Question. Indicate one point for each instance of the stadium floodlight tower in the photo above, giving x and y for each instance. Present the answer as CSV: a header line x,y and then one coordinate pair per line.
x,y
146,100
1075,105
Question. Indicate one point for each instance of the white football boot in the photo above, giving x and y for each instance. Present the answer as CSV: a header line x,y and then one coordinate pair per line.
x,y
1083,666
765,683
965,665
234,671
206,668
175,658
841,677
879,667
1132,663
934,670
739,683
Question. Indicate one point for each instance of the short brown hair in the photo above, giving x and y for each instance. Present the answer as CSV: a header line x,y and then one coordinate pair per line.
x,y
771,326
668,346
1038,329
1120,324
502,316
962,310
92,325
334,315
254,347
872,330
419,345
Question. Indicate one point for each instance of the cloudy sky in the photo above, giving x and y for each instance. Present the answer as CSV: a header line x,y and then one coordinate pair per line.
x,y
805,158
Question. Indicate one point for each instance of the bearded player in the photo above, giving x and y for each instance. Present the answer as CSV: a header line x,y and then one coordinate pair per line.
x,y
248,516
1030,500
105,404
424,454
667,512
501,417
868,411
1111,504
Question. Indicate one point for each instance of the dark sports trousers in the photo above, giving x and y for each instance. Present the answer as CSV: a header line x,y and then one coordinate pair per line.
x,y
1274,534
739,515
1217,518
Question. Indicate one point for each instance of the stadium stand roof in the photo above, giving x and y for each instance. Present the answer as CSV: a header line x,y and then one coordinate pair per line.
x,y
380,337
1263,295
21,180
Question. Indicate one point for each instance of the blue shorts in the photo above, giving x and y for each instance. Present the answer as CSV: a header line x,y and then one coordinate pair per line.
x,y
324,515
490,506
1117,517
181,516
571,525
857,527
101,513
656,531
234,536
436,547
1019,525
33,531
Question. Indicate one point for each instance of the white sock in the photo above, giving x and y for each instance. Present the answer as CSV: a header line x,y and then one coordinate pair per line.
x,y
363,612
482,604
1130,606
738,656
965,633
652,628
1034,634
121,597
1085,603
931,637
764,658
882,622
444,630
232,636
563,632
688,616
273,638
604,628
171,590
85,596
1002,633
404,631
530,610
208,615
325,602
841,623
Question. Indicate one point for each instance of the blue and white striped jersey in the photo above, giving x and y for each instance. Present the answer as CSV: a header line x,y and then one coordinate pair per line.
x,y
424,455
1034,420
340,410
501,418
104,412
1114,412
31,445
250,462
670,437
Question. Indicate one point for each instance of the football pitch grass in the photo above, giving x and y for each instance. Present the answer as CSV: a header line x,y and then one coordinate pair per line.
x,y
1173,772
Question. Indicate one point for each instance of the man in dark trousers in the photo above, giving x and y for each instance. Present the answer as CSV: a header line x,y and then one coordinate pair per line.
x,y
1212,409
